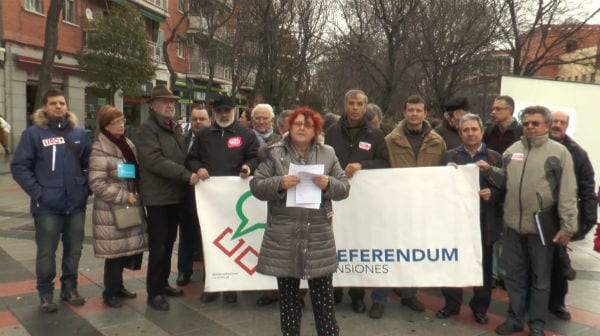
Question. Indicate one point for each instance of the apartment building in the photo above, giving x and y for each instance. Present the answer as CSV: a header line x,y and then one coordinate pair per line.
x,y
22,25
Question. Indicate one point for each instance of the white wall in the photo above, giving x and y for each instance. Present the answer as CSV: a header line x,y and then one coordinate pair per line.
x,y
583,99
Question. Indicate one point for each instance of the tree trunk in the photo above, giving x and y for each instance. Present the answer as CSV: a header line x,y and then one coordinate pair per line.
x,y
50,43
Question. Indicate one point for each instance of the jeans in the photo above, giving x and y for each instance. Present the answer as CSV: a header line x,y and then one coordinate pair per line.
x,y
49,229
528,267
380,294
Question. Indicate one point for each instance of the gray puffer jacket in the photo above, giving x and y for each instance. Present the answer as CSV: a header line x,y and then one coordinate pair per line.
x,y
298,242
110,242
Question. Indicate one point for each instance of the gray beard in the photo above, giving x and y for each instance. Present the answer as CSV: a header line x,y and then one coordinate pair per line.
x,y
224,125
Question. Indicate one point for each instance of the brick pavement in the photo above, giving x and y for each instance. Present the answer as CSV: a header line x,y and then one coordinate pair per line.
x,y
19,315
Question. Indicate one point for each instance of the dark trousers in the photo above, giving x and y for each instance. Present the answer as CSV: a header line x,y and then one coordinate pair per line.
x,y
113,275
355,293
559,285
189,235
482,296
321,296
528,267
162,231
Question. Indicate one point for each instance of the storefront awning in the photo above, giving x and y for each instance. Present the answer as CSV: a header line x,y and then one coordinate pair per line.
x,y
150,15
33,64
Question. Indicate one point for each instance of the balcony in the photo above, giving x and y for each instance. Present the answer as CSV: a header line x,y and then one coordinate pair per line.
x,y
200,67
156,52
158,3
199,25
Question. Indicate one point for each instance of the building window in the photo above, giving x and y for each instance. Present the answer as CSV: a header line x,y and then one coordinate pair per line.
x,y
181,5
33,5
180,46
571,45
584,78
69,12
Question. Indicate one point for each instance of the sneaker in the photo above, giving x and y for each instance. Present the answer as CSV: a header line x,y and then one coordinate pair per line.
x,y
47,305
72,297
414,304
508,328
376,311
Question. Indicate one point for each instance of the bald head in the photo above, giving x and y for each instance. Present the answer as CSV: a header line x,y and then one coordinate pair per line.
x,y
560,123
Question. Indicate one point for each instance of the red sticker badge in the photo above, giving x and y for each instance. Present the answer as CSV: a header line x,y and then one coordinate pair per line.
x,y
364,146
518,157
234,142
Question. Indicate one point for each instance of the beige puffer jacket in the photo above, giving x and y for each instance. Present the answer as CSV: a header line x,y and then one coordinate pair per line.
x,y
110,242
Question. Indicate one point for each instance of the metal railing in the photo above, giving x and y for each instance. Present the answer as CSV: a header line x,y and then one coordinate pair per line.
x,y
156,52
222,72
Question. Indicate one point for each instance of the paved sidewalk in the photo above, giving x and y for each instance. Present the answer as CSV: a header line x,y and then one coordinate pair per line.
x,y
19,314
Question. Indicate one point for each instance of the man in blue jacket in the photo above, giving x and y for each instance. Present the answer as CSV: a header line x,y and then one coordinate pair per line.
x,y
50,164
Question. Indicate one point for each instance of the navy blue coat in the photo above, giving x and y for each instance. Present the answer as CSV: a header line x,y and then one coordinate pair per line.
x,y
48,171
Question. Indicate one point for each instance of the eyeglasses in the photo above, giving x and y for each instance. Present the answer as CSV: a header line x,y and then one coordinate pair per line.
x,y
262,118
306,124
118,121
532,123
496,109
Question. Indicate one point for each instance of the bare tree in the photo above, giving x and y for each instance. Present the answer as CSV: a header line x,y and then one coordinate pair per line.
x,y
536,32
376,40
286,39
50,43
451,36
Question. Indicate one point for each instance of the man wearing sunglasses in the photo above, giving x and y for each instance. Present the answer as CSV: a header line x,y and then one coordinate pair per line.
x,y
538,174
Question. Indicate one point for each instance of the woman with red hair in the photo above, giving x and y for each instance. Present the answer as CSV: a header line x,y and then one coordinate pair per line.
x,y
298,242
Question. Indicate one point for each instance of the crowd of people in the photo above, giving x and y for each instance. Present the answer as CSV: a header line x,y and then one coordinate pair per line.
x,y
144,195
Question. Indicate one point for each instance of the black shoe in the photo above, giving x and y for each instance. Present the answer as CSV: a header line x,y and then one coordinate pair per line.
x,y
358,305
536,332
444,313
376,311
507,329
266,299
481,318
72,297
230,297
159,303
125,294
414,304
47,305
170,291
182,279
562,313
112,301
208,297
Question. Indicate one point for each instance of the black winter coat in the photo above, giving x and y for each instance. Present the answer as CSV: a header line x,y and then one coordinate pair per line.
x,y
369,149
223,151
586,185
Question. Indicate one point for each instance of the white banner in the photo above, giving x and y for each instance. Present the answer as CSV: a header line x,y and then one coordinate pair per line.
x,y
400,227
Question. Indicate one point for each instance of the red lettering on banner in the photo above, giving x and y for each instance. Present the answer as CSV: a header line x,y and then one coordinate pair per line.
x,y
231,252
241,263
518,157
234,142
